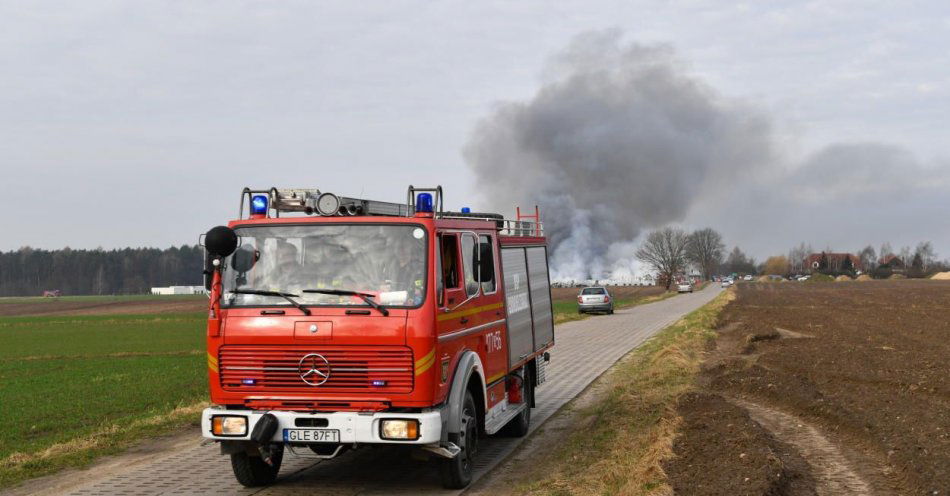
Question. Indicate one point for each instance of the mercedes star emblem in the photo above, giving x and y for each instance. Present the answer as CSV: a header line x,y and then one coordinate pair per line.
x,y
314,369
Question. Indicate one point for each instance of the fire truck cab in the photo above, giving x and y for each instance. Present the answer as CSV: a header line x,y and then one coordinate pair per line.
x,y
337,323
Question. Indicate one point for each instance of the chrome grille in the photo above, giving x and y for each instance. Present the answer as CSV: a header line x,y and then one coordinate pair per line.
x,y
352,368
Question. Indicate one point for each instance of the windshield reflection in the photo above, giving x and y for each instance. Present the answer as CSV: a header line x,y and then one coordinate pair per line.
x,y
385,261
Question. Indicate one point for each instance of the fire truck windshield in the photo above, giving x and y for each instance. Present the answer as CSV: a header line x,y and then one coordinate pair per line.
x,y
387,262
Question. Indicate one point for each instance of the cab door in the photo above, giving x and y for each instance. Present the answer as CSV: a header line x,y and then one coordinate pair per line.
x,y
471,314
491,307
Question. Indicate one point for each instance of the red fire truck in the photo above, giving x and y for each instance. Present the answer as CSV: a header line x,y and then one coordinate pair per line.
x,y
337,323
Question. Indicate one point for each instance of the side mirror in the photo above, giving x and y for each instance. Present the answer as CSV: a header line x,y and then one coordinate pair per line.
x,y
485,263
209,270
221,241
244,259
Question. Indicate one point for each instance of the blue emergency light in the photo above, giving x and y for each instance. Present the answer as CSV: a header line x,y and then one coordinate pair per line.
x,y
259,205
424,202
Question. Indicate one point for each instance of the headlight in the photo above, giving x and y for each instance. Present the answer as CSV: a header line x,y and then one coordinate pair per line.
x,y
403,429
228,425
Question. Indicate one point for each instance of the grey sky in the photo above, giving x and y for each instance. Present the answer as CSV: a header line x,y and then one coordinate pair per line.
x,y
133,123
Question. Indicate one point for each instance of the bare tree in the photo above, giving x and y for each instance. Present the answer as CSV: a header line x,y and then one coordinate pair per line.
x,y
885,250
665,251
705,250
868,258
796,257
927,256
737,262
777,265
906,255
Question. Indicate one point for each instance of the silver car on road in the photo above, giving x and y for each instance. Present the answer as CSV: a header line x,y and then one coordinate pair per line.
x,y
595,299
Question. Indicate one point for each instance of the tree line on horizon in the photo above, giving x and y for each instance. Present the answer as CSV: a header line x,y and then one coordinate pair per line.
x,y
31,271
671,251
920,261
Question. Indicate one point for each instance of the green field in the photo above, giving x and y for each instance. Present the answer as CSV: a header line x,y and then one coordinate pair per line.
x,y
75,387
566,310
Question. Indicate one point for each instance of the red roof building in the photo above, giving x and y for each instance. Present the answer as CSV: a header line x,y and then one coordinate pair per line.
x,y
834,262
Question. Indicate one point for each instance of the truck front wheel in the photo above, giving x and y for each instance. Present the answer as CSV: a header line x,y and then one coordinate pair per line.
x,y
457,471
253,471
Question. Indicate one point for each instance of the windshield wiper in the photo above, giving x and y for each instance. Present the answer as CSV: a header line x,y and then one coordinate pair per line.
x,y
287,296
368,298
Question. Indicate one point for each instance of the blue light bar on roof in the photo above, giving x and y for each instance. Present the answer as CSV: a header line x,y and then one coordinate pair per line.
x,y
259,205
424,202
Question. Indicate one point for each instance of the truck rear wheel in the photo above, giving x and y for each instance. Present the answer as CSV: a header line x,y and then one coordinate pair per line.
x,y
457,471
253,471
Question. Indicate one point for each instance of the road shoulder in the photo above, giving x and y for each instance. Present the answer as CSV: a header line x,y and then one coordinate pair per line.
x,y
612,437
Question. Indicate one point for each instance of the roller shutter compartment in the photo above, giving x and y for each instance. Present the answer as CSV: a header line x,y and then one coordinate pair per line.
x,y
540,286
517,303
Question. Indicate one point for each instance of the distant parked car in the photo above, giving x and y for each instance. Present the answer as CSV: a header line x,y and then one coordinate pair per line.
x,y
726,283
803,278
748,277
684,287
595,299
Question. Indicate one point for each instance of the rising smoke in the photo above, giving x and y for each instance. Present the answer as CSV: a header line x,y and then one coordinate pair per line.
x,y
620,138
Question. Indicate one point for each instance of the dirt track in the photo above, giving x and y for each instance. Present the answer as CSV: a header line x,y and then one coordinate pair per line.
x,y
850,377
54,307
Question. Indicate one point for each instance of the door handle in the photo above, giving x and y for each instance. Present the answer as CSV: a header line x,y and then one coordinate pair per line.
x,y
464,320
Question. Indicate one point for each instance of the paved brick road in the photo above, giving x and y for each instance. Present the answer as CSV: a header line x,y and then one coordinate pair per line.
x,y
584,350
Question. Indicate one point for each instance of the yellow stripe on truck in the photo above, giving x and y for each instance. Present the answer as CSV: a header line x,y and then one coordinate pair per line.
x,y
495,377
470,311
425,363
212,363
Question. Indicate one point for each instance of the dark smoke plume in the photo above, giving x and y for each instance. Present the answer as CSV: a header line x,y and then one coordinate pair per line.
x,y
619,138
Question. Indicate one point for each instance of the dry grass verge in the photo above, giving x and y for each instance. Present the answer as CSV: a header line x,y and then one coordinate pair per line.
x,y
621,441
80,451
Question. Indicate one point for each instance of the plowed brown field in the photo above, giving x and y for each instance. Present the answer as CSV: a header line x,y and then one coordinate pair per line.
x,y
853,378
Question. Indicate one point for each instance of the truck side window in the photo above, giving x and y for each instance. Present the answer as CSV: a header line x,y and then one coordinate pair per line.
x,y
488,287
450,266
468,262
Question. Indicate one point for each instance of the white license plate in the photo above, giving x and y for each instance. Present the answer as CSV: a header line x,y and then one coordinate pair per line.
x,y
311,436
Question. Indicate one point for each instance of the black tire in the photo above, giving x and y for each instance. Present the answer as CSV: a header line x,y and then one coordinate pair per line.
x,y
610,312
252,471
457,472
518,426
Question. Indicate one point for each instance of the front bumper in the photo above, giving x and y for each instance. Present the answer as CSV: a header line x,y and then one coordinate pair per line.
x,y
354,427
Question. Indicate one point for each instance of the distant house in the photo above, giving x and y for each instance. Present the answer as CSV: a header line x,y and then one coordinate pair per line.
x,y
180,290
893,262
834,262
